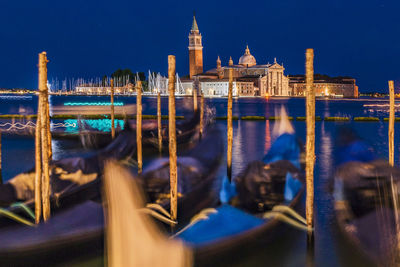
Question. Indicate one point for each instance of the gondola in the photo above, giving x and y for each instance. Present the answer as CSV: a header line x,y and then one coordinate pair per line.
x,y
79,230
366,202
260,205
78,178
264,196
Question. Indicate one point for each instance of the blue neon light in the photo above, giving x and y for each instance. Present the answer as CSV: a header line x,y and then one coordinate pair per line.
x,y
93,103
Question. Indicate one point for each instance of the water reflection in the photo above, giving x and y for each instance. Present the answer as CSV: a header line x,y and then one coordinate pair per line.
x,y
251,140
238,155
102,125
323,199
267,143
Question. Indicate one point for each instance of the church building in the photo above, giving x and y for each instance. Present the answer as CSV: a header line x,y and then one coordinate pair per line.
x,y
250,78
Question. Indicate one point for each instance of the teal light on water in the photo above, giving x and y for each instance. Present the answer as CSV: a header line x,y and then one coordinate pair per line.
x,y
103,125
93,103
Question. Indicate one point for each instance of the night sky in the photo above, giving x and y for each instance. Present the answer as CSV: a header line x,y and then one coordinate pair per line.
x,y
91,38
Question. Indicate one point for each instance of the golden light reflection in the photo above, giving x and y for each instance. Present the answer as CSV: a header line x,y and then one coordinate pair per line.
x,y
326,91
267,137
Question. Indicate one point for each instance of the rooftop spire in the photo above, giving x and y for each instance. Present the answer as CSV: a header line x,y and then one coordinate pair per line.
x,y
230,61
195,28
247,52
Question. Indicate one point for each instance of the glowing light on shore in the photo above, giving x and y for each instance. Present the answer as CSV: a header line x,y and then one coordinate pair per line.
x,y
92,104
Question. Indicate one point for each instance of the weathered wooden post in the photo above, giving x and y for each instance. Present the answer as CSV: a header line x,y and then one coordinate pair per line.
x,y
310,140
159,122
229,125
139,125
44,135
201,114
38,163
48,130
195,99
1,176
391,160
173,175
391,123
112,109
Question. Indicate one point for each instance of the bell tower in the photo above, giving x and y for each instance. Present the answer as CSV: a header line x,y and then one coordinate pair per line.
x,y
195,50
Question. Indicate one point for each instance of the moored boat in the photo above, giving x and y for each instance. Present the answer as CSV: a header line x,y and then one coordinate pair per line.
x,y
366,202
259,205
78,178
69,231
267,201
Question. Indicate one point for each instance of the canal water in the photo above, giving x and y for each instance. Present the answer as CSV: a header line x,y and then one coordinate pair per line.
x,y
251,140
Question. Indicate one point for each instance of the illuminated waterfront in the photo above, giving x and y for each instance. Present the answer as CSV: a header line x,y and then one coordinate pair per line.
x,y
251,140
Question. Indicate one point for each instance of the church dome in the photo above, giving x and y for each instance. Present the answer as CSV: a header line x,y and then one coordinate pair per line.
x,y
247,59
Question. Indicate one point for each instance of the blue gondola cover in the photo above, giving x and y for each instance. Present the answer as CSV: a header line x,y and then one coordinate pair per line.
x,y
227,222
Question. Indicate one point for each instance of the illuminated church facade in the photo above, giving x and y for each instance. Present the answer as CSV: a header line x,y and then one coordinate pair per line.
x,y
249,78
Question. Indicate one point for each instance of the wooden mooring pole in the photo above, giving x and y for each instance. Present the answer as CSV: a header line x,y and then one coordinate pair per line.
x,y
48,128
159,122
38,164
44,124
173,175
1,175
139,125
195,99
201,114
229,126
310,140
391,160
112,109
391,123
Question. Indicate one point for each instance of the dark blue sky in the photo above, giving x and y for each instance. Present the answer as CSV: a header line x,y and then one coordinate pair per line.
x,y
90,38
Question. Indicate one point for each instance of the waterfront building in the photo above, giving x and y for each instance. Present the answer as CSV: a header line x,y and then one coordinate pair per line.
x,y
325,86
